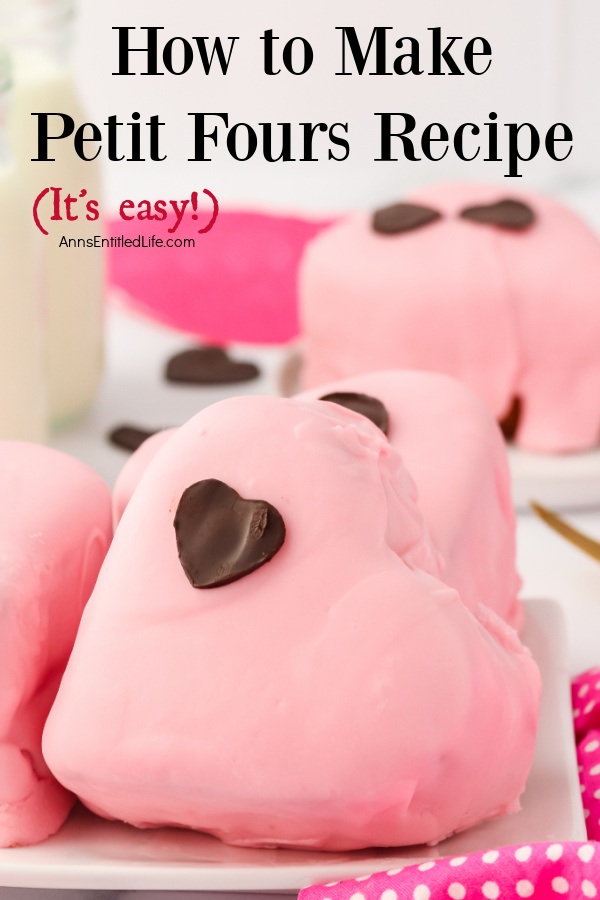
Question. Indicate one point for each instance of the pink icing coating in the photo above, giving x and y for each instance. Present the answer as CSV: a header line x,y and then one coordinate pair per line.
x,y
456,456
54,534
455,453
508,313
340,696
133,470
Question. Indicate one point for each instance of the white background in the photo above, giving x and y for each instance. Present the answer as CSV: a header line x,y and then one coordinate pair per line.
x,y
543,70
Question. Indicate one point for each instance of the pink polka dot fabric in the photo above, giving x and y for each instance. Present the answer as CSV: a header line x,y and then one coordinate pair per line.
x,y
586,719
542,871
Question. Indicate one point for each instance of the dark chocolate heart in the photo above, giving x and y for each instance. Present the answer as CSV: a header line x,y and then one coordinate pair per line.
x,y
402,217
222,537
510,422
510,214
129,437
208,365
367,406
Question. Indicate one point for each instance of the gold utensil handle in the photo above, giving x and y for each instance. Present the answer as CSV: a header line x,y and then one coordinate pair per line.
x,y
585,543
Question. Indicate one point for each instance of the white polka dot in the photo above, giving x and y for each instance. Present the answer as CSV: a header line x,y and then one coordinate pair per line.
x,y
331,883
576,712
586,813
426,866
554,852
589,706
591,746
597,795
421,892
458,860
362,878
585,853
583,788
583,690
524,888
389,895
588,889
357,896
595,770
490,890
490,857
523,854
457,891
560,885
395,871
597,685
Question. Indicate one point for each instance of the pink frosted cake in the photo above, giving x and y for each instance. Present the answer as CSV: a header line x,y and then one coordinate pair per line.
x,y
287,665
455,454
54,534
500,291
454,451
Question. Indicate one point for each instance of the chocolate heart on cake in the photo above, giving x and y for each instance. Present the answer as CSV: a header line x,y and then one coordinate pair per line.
x,y
370,407
510,214
222,537
402,217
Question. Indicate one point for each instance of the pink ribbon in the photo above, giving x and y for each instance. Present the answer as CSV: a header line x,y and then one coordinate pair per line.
x,y
552,871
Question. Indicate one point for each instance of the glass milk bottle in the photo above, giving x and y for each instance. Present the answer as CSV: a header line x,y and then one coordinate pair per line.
x,y
23,409
38,34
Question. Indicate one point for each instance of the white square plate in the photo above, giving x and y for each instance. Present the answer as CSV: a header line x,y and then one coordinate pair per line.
x,y
92,854
568,481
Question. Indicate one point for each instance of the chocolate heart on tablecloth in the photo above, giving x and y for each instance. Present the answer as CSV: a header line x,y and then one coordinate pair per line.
x,y
402,217
367,406
208,365
221,536
513,215
129,437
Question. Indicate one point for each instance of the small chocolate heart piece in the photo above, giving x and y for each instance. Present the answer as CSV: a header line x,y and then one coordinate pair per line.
x,y
402,217
367,406
208,365
510,422
510,214
222,537
129,437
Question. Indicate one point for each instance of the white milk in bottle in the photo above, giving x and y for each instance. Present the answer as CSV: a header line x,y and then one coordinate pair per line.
x,y
37,33
23,408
